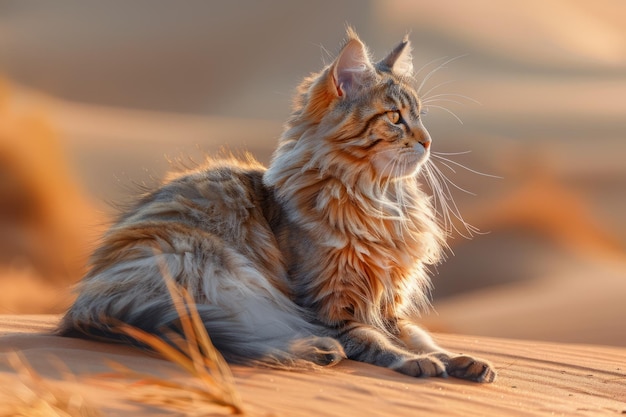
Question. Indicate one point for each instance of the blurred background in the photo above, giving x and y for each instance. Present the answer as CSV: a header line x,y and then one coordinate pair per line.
x,y
96,97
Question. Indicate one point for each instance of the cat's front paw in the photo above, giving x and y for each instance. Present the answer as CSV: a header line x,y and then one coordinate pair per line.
x,y
467,367
422,366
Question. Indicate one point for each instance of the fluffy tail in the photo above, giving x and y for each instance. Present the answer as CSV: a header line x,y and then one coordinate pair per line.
x,y
255,332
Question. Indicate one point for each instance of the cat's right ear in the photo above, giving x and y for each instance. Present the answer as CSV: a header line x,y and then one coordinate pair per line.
x,y
352,69
400,60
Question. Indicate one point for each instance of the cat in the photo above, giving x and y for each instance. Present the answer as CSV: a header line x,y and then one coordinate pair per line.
x,y
321,256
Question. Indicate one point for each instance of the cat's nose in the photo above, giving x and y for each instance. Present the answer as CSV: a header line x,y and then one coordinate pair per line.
x,y
422,135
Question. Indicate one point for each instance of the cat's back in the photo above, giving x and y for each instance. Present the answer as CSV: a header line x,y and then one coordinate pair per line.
x,y
219,197
206,228
223,201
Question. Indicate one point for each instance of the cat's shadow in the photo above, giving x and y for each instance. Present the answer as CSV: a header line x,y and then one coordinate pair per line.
x,y
366,370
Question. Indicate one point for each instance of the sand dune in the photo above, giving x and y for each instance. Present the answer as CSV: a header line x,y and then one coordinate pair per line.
x,y
534,379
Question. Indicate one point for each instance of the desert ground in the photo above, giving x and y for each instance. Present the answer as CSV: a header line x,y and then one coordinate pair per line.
x,y
96,101
535,379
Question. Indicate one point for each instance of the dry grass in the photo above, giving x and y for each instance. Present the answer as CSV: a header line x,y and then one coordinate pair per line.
x,y
32,396
212,386
195,353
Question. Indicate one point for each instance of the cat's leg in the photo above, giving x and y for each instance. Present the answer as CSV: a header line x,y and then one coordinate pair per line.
x,y
461,366
365,343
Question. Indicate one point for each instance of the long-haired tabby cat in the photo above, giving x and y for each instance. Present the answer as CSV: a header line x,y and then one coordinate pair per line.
x,y
319,257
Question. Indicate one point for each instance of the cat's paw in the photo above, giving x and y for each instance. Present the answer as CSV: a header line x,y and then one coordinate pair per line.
x,y
467,367
422,366
322,351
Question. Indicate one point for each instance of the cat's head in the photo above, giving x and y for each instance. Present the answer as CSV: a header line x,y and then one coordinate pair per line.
x,y
360,117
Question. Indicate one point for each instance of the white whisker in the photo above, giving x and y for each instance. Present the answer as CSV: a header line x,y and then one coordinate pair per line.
x,y
452,95
440,66
447,194
416,73
438,156
426,96
447,100
439,199
450,181
445,204
451,153
449,111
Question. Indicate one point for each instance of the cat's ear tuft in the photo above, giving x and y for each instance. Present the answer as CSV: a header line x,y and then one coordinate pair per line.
x,y
352,69
400,59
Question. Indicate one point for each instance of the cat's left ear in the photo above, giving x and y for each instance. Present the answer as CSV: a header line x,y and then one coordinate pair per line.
x,y
352,69
400,59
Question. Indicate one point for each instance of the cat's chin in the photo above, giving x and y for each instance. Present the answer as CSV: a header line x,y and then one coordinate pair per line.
x,y
408,173
405,166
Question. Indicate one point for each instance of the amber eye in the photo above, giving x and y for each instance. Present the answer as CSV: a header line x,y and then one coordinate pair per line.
x,y
394,116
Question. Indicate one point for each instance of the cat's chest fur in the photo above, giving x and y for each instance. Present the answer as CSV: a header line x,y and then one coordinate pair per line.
x,y
350,258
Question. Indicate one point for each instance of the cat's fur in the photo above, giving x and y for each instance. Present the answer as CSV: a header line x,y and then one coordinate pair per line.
x,y
321,256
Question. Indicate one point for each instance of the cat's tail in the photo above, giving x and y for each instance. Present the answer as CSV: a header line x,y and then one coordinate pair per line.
x,y
255,332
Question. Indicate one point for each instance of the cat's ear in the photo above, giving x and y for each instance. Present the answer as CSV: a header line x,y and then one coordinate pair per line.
x,y
400,59
352,69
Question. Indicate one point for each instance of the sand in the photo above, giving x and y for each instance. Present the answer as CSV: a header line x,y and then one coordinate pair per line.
x,y
534,378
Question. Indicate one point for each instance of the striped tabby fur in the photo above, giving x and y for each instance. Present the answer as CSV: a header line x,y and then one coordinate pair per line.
x,y
321,256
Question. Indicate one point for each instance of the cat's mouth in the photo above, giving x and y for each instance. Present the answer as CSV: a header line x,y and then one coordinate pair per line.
x,y
401,163
418,155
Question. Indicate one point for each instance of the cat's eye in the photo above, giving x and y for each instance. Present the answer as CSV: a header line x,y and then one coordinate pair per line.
x,y
394,116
